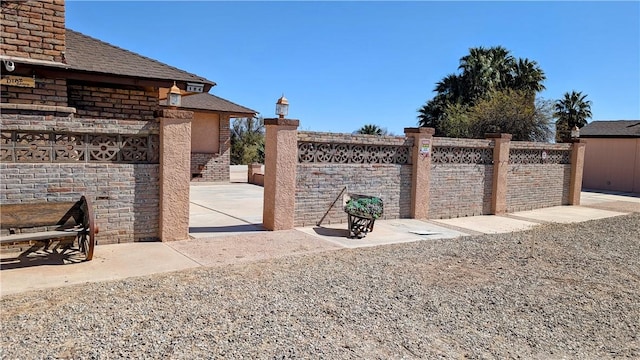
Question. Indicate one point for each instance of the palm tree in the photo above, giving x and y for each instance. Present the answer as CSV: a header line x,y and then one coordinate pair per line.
x,y
527,76
572,110
486,70
370,129
483,72
452,87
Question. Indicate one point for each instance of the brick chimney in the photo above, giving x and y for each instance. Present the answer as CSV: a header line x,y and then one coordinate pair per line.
x,y
33,29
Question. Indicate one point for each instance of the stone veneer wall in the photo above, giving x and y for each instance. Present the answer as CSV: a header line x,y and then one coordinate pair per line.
x,y
461,178
320,180
123,184
533,181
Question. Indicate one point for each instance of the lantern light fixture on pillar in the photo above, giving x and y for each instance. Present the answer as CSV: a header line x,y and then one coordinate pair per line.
x,y
282,107
575,132
175,97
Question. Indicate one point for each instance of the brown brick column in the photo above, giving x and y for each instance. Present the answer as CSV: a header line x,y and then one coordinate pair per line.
x,y
577,167
421,172
224,145
175,173
280,162
500,167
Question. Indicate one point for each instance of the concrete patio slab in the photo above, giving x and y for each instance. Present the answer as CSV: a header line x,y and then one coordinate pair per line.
x,y
566,214
384,232
621,202
488,224
110,262
596,197
225,209
250,247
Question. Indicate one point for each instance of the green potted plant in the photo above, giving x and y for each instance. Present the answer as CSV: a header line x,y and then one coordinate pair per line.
x,y
364,206
362,211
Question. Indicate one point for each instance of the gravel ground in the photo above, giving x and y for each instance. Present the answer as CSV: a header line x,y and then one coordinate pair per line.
x,y
554,292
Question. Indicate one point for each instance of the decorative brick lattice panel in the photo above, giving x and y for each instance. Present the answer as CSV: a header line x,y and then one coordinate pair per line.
x,y
539,156
38,147
337,153
461,155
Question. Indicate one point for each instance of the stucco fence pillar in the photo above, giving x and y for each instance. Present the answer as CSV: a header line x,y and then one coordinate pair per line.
x,y
175,173
577,168
421,170
502,143
280,163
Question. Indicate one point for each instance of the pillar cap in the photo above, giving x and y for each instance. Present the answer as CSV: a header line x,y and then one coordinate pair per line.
x,y
173,114
282,122
498,136
420,130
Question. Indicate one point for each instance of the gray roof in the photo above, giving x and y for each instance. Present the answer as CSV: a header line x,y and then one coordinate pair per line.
x,y
206,101
88,54
614,128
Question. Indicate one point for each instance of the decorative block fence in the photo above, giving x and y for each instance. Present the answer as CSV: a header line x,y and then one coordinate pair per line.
x,y
48,153
364,164
417,175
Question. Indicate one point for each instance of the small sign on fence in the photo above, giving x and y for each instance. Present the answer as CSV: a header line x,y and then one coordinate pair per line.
x,y
425,147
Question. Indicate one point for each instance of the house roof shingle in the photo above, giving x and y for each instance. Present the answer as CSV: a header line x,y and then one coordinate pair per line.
x,y
206,101
88,54
617,128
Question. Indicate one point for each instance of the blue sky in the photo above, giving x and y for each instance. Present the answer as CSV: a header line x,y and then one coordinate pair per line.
x,y
346,64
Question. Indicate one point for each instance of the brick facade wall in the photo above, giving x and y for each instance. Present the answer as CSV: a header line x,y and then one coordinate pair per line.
x,y
51,92
458,190
33,29
96,101
207,167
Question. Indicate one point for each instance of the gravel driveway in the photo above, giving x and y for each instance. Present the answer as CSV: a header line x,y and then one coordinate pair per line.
x,y
554,292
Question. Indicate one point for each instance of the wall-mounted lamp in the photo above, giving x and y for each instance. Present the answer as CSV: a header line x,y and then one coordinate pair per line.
x,y
175,97
282,107
575,132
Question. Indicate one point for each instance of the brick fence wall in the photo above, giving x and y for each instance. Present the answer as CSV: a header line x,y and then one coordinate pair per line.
x,y
124,196
112,162
460,177
358,164
319,185
538,175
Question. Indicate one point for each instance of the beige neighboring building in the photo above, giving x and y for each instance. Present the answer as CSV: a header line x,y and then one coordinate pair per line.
x,y
211,135
612,156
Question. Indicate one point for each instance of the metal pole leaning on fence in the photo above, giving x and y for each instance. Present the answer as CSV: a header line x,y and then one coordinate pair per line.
x,y
331,207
